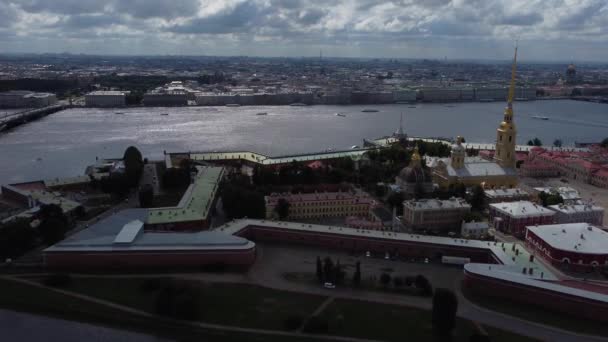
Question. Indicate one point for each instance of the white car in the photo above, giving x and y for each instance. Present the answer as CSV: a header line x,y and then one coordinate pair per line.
x,y
368,254
329,286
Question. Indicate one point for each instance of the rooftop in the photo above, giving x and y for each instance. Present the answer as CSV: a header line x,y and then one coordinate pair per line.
x,y
120,232
320,196
522,209
195,203
436,204
107,93
573,237
510,192
575,208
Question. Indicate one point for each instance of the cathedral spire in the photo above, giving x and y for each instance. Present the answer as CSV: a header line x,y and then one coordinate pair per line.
x,y
512,85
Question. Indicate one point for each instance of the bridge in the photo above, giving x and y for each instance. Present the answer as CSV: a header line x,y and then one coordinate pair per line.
x,y
11,120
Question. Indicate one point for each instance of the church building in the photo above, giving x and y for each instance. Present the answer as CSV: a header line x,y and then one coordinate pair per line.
x,y
471,171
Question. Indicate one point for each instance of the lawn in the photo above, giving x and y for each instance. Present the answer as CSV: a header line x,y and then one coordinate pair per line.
x,y
537,314
27,298
395,323
221,303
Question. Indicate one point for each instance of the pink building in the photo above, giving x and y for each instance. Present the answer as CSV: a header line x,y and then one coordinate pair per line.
x,y
575,246
513,217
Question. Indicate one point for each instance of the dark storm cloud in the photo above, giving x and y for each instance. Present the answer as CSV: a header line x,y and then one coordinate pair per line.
x,y
83,21
157,8
235,20
521,19
61,6
311,16
272,25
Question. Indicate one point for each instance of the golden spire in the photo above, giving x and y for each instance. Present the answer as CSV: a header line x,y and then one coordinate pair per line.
x,y
512,85
508,119
416,159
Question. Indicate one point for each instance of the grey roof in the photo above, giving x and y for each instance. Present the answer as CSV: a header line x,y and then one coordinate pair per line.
x,y
478,167
101,237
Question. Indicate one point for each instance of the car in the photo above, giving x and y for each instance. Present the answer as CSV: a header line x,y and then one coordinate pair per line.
x,y
368,254
329,286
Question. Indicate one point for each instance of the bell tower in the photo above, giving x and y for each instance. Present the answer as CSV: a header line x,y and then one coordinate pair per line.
x,y
506,132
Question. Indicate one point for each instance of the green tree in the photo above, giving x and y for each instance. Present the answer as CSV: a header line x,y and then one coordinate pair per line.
x,y
385,279
395,200
282,208
16,238
328,270
422,283
604,143
146,196
537,142
557,143
53,223
445,305
134,165
477,197
357,274
319,270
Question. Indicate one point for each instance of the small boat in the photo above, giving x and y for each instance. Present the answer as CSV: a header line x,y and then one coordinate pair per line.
x,y
412,107
450,106
369,110
298,104
233,105
119,113
261,113
164,114
340,114
38,159
354,147
485,100
540,117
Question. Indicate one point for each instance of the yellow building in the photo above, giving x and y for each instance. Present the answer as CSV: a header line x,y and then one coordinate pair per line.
x,y
473,171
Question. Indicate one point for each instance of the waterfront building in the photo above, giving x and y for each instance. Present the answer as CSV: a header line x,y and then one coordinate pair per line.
x,y
321,205
105,98
26,99
166,98
574,246
415,179
575,213
434,214
513,217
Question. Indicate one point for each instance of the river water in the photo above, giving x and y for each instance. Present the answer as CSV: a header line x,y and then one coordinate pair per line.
x,y
17,326
63,143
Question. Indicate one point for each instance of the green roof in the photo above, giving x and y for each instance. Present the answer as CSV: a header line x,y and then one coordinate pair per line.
x,y
196,202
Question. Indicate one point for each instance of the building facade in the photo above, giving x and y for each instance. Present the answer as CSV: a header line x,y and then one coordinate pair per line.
x,y
513,217
575,213
506,195
573,246
321,205
435,215
108,99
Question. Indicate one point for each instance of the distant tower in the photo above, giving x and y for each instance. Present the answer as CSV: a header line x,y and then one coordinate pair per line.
x,y
416,160
506,132
571,74
458,154
400,133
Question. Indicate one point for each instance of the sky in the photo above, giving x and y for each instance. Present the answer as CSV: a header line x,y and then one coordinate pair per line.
x,y
551,30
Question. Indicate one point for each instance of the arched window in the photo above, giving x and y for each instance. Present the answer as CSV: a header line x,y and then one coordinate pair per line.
x,y
565,261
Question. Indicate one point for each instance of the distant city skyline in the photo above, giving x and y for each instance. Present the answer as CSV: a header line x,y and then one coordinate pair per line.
x,y
560,30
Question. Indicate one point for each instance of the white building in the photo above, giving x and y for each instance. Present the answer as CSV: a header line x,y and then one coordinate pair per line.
x,y
434,214
105,98
506,195
474,229
575,213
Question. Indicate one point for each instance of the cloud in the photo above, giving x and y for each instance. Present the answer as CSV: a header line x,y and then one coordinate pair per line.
x,y
157,8
274,27
230,20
